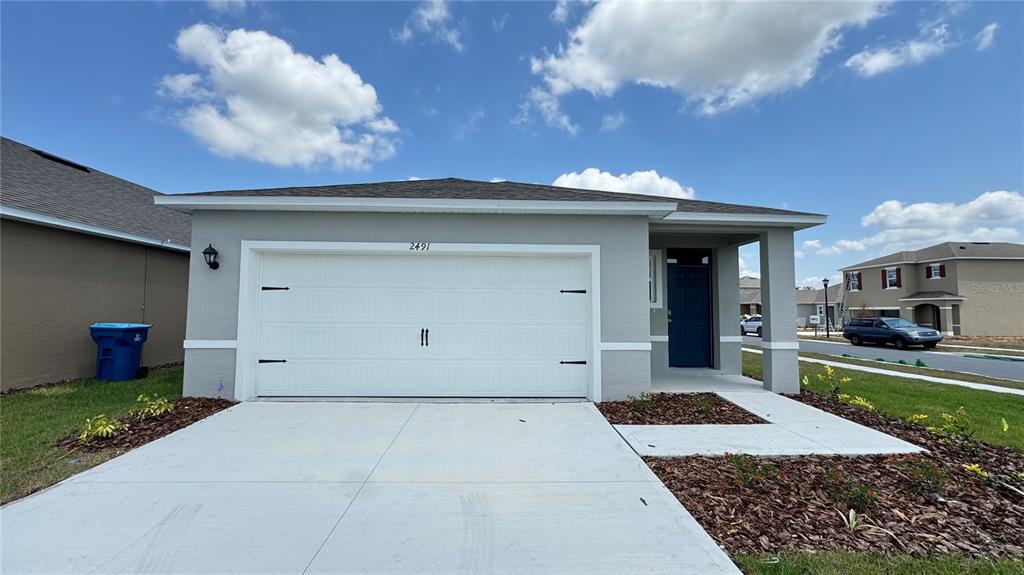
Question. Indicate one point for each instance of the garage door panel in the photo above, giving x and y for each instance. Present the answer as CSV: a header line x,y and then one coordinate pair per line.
x,y
350,325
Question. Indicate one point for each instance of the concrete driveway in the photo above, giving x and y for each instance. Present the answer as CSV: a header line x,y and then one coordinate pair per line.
x,y
367,488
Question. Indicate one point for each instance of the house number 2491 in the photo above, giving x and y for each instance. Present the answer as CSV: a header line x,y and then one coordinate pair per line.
x,y
419,246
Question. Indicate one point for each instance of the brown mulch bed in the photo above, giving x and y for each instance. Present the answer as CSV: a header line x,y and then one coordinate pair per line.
x,y
676,409
187,410
751,508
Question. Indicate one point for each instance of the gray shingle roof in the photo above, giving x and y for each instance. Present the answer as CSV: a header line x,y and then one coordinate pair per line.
x,y
49,186
948,250
456,188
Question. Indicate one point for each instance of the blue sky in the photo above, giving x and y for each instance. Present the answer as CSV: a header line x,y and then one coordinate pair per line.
x,y
904,122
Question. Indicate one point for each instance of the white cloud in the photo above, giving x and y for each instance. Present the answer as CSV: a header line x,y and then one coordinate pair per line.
x,y
717,55
986,36
470,126
499,23
647,183
992,216
497,180
748,272
561,11
227,6
434,19
546,104
815,281
612,122
933,40
255,97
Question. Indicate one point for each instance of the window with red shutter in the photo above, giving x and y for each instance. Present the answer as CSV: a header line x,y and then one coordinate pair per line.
x,y
899,278
942,270
928,273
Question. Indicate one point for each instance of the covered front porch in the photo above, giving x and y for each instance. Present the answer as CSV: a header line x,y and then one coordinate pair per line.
x,y
695,304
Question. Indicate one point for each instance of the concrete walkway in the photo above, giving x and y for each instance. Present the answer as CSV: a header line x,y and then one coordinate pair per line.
x,y
273,487
793,428
906,375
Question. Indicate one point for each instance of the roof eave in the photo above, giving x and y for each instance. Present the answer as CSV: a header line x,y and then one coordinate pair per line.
x,y
189,204
28,216
795,221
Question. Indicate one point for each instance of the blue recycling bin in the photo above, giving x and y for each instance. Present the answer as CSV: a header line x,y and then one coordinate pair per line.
x,y
118,349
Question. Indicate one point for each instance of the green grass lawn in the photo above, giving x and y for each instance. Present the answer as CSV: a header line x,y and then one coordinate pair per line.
x,y
31,421
846,563
901,397
866,360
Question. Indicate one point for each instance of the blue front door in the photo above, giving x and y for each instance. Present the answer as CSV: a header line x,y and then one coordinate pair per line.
x,y
689,316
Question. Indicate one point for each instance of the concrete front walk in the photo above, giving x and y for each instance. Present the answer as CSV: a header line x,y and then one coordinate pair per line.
x,y
793,428
275,487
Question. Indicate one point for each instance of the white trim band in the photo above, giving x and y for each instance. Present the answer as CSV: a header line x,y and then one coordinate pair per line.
x,y
659,338
210,344
625,346
59,223
730,339
722,218
780,345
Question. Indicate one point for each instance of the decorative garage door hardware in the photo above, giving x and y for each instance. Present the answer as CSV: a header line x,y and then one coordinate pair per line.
x,y
581,362
424,337
572,291
272,361
272,288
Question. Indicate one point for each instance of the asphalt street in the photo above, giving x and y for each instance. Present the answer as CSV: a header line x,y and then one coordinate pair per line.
x,y
939,360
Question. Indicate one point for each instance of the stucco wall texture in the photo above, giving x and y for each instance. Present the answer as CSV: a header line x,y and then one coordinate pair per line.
x,y
213,299
56,283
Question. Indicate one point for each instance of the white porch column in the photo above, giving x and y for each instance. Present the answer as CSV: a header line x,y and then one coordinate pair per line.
x,y
726,313
945,318
778,297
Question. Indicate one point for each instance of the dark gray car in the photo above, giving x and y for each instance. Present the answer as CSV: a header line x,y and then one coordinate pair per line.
x,y
894,330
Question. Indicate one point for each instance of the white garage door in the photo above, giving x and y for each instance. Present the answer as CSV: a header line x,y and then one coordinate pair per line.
x,y
423,324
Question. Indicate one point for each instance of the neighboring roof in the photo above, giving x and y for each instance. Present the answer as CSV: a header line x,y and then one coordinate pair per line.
x,y
750,295
935,294
946,251
803,296
750,282
40,187
459,189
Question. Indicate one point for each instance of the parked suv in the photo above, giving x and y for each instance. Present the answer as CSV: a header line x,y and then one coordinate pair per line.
x,y
894,330
751,325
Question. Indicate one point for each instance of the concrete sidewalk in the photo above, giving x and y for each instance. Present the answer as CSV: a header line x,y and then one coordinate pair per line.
x,y
793,428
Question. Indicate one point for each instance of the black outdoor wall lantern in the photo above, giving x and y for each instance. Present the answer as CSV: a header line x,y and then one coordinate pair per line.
x,y
210,255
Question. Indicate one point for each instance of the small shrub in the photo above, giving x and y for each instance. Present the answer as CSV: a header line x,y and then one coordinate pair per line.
x,y
749,470
976,469
881,359
926,476
902,362
147,407
847,355
848,491
832,381
641,403
100,427
857,401
705,404
920,363
956,427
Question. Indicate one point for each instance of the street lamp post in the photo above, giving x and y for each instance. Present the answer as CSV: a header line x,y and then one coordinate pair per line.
x,y
828,333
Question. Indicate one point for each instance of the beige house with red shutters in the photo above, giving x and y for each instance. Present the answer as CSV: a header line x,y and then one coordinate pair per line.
x,y
957,288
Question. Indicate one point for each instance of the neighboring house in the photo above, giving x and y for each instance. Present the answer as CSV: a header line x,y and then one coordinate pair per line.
x,y
461,288
750,296
957,288
78,247
810,302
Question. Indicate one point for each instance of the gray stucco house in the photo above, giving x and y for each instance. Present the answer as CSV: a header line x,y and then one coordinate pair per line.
x,y
79,246
460,288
